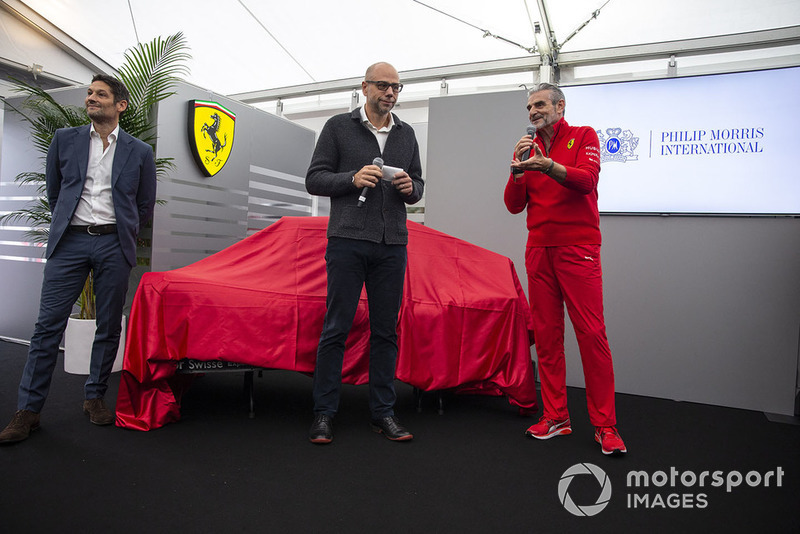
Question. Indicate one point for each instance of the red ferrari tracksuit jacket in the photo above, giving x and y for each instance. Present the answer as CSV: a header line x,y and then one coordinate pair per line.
x,y
562,260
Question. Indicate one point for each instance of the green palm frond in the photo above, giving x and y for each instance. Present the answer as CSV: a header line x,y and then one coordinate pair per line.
x,y
44,114
164,166
32,178
150,73
36,215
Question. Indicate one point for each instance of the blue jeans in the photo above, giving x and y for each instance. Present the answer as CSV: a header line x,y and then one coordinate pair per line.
x,y
64,275
351,264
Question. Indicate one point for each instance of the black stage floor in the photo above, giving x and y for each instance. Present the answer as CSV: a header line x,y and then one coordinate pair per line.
x,y
468,470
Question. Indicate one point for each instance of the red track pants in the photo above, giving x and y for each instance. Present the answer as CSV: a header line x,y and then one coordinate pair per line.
x,y
572,275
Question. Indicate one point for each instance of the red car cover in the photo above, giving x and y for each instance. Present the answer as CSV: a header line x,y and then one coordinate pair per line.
x,y
464,322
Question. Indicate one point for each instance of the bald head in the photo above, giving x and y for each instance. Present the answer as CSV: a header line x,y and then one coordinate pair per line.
x,y
380,66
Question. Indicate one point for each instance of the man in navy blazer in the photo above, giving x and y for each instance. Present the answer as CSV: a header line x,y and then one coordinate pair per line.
x,y
101,185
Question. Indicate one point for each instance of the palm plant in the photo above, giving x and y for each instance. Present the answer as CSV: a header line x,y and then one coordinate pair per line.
x,y
150,72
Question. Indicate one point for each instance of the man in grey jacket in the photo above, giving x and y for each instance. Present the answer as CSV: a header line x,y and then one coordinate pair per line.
x,y
366,243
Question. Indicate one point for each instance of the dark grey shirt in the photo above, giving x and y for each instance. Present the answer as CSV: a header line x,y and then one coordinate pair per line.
x,y
344,146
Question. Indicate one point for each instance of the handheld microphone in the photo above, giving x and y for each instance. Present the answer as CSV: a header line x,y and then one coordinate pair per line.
x,y
363,196
530,130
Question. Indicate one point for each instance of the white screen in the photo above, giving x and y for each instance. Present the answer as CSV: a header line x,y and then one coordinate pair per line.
x,y
714,144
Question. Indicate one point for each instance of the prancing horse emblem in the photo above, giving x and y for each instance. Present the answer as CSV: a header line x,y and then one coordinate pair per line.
x,y
216,144
211,130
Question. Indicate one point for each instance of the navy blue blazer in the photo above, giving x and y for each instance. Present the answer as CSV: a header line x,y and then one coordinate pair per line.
x,y
133,184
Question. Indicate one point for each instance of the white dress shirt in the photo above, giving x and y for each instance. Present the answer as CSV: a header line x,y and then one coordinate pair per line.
x,y
96,205
382,134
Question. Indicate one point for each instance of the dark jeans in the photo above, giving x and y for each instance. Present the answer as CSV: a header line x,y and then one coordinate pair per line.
x,y
351,264
64,275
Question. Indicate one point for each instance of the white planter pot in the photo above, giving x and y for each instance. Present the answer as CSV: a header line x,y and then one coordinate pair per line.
x,y
78,340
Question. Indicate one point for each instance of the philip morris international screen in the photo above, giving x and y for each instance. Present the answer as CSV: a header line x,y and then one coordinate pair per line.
x,y
718,144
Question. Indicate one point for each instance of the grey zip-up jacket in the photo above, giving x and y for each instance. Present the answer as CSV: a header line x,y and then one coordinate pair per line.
x,y
344,146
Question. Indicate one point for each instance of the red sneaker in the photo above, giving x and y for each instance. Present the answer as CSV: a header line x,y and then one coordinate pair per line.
x,y
548,428
609,439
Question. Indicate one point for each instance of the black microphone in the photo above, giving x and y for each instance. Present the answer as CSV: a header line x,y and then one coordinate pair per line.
x,y
530,130
363,196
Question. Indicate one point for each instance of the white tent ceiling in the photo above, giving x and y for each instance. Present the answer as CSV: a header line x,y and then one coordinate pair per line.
x,y
249,45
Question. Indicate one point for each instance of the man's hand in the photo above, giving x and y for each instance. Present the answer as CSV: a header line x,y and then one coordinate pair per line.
x,y
403,183
537,161
522,147
368,176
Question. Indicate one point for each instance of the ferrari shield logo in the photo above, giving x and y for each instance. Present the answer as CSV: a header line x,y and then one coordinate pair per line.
x,y
210,135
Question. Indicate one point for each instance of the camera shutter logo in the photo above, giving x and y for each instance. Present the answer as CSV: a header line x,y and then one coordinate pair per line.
x,y
587,510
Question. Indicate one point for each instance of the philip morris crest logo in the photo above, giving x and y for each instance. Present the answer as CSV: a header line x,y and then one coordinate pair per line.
x,y
211,128
618,145
589,509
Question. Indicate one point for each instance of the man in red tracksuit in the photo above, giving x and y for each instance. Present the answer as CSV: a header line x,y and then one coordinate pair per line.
x,y
557,182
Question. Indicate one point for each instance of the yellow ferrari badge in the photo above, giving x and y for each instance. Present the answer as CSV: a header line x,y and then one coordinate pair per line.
x,y
211,128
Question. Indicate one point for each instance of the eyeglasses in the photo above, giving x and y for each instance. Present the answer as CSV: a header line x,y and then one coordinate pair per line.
x,y
383,86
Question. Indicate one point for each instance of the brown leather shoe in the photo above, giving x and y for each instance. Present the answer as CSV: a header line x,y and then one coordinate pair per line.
x,y
22,424
99,413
